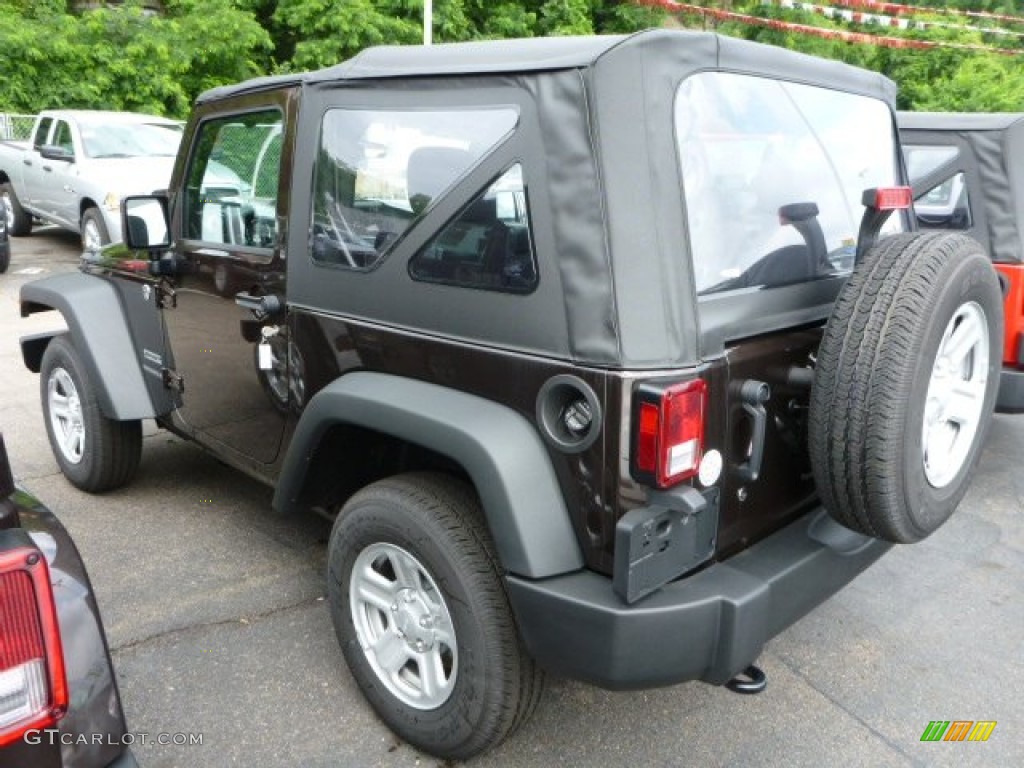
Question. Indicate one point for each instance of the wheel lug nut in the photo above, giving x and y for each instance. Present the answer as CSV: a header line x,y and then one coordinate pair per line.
x,y
394,607
408,597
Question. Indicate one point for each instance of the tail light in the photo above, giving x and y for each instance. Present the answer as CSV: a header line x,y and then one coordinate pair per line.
x,y
33,687
668,432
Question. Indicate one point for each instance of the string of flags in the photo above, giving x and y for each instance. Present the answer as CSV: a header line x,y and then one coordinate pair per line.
x,y
899,9
863,38
898,22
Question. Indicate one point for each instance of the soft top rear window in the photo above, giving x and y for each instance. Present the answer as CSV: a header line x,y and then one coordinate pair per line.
x,y
773,174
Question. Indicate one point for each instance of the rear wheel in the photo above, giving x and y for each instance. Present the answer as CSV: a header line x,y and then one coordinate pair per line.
x,y
421,613
905,385
95,453
19,221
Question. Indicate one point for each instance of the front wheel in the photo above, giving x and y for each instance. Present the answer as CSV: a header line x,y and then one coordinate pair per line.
x,y
95,453
423,619
94,230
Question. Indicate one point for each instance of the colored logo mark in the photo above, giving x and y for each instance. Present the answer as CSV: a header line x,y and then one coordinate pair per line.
x,y
958,730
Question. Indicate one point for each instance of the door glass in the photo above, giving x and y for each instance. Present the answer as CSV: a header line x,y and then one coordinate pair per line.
x,y
232,181
62,137
42,130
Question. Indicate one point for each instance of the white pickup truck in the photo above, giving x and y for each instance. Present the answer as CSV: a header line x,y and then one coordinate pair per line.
x,y
77,166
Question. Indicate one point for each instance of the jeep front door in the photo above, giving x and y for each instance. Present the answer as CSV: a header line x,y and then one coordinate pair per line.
x,y
228,214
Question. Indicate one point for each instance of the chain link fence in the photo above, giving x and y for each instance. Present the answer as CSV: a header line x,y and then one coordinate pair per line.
x,y
14,127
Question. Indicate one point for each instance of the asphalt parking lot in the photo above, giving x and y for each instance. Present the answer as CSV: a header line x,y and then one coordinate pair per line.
x,y
215,615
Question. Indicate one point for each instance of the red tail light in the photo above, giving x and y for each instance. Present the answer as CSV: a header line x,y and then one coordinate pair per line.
x,y
33,687
668,432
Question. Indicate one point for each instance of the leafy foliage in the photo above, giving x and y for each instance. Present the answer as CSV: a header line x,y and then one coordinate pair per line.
x,y
120,57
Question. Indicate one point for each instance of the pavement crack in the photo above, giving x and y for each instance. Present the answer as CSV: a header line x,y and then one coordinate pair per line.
x,y
247,620
838,703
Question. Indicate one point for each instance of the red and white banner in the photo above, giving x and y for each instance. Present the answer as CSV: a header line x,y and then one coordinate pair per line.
x,y
719,14
898,9
896,22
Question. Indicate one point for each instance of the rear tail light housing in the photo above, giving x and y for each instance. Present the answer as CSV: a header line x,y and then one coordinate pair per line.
x,y
668,432
33,686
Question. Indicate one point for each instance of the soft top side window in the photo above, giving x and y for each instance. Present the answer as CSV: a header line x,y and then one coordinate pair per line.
x,y
488,245
378,171
773,174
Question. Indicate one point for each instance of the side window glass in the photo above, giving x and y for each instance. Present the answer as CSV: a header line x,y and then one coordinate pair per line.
x,y
945,206
232,180
486,246
379,171
62,137
42,131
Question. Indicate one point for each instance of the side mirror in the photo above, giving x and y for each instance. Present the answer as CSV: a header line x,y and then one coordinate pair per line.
x,y
54,152
145,223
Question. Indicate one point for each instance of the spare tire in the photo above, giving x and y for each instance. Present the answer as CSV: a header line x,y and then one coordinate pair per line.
x,y
905,384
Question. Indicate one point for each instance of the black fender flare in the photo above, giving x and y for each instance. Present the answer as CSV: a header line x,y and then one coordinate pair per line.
x,y
499,449
96,321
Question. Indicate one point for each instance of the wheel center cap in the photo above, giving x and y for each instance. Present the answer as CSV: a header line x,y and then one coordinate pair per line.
x,y
414,620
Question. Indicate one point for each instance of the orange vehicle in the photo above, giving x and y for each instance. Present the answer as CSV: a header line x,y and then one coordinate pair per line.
x,y
968,175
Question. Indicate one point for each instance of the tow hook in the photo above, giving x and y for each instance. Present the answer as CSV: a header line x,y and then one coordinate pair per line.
x,y
751,680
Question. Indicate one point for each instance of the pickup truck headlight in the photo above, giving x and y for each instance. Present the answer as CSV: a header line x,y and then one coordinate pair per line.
x,y
112,201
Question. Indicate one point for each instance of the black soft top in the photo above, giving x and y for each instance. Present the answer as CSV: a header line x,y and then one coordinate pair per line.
x,y
992,152
597,113
707,50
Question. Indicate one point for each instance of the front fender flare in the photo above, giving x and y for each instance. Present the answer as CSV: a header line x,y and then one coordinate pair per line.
x,y
499,449
95,319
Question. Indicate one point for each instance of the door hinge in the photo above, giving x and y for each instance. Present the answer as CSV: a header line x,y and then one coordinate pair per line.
x,y
166,296
173,381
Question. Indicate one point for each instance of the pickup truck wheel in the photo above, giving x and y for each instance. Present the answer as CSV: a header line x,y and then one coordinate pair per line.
x,y
19,221
905,383
423,619
95,453
94,230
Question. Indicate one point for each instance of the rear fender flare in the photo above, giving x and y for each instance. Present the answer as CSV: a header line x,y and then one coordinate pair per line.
x,y
499,449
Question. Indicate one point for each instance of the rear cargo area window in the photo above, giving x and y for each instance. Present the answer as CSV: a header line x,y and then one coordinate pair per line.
x,y
378,171
487,246
773,174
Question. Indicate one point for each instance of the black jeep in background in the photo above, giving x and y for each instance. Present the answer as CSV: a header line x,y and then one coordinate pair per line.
x,y
611,356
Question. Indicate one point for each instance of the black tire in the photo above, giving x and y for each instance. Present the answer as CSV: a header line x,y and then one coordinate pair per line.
x,y
109,450
438,520
877,360
5,255
93,218
21,220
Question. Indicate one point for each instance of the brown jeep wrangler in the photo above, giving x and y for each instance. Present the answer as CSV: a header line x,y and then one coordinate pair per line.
x,y
611,356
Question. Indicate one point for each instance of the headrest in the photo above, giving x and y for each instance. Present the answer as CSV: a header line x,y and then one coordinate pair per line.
x,y
482,211
432,170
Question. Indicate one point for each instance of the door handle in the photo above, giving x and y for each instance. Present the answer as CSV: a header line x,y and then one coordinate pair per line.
x,y
261,306
26,161
753,396
48,169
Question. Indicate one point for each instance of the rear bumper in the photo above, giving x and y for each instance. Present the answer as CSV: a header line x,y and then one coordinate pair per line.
x,y
1011,391
708,626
